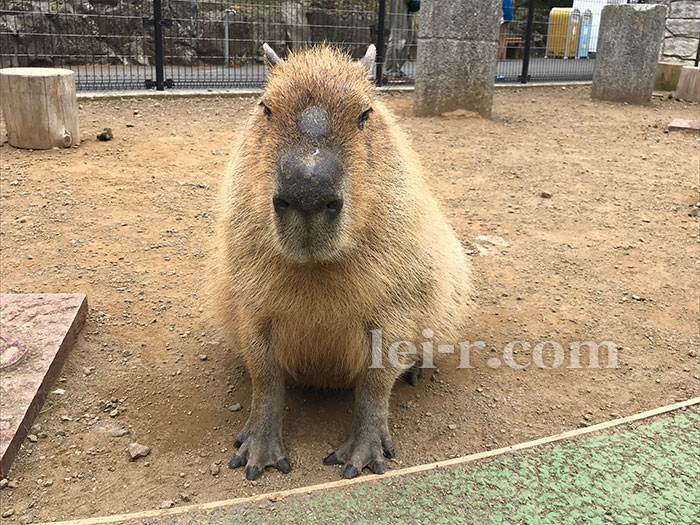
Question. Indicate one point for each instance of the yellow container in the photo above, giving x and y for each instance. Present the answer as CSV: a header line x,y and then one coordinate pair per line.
x,y
563,32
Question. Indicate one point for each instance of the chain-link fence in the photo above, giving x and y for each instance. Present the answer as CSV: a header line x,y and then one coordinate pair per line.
x,y
136,44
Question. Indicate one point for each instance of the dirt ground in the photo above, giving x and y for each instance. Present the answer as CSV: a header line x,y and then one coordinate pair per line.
x,y
612,255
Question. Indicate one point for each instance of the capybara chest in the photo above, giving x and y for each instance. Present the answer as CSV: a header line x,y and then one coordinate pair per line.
x,y
317,354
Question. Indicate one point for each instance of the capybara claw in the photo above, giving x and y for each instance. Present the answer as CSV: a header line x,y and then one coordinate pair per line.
x,y
236,461
252,472
350,472
283,466
332,459
377,467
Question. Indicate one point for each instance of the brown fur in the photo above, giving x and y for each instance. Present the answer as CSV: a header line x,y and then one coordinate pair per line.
x,y
396,264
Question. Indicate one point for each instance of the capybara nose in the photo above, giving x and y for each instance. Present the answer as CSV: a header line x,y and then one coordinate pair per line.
x,y
309,184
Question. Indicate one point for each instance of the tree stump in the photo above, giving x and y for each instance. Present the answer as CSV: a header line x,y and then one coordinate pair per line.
x,y
688,87
40,108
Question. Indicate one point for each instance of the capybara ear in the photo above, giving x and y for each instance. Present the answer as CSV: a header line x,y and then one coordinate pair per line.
x,y
270,57
369,59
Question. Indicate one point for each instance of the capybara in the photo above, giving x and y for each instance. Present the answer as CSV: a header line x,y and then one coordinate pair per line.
x,y
327,233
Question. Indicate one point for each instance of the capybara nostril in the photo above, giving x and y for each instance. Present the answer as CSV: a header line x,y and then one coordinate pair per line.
x,y
307,202
333,208
281,206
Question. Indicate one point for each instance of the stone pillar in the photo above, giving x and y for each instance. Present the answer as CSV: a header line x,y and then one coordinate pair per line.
x,y
629,42
457,56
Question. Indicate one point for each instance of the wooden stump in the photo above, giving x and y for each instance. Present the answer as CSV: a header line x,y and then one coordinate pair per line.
x,y
688,87
40,107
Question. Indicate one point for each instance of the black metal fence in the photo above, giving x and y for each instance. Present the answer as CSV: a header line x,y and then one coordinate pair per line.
x,y
184,44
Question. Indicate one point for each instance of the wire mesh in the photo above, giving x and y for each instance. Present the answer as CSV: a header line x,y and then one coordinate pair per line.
x,y
217,44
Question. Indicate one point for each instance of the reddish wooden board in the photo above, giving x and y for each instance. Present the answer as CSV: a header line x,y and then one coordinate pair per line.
x,y
680,124
46,325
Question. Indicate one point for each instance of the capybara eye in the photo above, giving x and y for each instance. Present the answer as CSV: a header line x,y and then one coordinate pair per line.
x,y
267,110
363,118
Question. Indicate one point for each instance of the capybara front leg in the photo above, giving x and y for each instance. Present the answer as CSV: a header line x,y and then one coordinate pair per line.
x,y
260,442
369,441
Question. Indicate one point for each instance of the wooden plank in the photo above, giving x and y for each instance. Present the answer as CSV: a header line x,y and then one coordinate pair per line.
x,y
47,324
681,124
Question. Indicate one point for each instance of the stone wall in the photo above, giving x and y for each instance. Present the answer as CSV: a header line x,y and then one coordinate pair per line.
x,y
682,31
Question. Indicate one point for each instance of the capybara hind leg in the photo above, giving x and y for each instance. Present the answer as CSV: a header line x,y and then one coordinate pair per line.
x,y
260,442
413,374
369,441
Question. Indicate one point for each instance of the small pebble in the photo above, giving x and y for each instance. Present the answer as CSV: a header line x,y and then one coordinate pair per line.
x,y
214,469
546,195
236,408
32,438
202,357
8,513
136,451
167,504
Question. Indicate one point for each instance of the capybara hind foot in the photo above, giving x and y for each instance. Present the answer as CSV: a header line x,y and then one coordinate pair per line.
x,y
412,375
367,446
259,449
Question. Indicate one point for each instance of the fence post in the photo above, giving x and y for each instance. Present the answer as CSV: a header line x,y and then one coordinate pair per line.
x,y
528,41
158,32
380,41
226,47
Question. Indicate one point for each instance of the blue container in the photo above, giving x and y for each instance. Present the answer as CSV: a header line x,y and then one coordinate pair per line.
x,y
585,34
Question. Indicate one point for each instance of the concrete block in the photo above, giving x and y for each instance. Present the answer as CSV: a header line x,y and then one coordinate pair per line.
x,y
467,83
629,42
688,87
45,325
667,75
463,20
457,56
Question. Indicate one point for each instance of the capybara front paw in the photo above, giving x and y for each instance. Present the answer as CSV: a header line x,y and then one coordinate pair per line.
x,y
257,450
366,447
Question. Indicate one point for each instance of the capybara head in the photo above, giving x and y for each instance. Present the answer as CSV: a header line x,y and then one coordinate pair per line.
x,y
315,133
